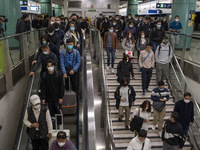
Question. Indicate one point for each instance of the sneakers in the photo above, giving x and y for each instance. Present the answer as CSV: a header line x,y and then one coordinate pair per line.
x,y
143,93
108,67
113,70
147,90
160,133
153,127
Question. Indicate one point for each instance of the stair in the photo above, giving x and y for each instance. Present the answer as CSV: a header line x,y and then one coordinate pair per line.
x,y
121,136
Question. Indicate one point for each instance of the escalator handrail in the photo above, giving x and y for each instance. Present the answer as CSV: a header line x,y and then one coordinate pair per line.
x,y
106,94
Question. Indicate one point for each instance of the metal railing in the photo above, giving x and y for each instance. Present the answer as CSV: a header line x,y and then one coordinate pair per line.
x,y
179,85
16,54
98,53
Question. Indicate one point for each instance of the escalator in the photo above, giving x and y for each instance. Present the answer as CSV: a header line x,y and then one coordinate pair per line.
x,y
117,136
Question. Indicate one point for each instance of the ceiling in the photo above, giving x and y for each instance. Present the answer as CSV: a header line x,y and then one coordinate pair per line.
x,y
58,2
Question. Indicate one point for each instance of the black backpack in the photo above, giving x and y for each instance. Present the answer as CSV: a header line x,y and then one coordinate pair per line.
x,y
161,47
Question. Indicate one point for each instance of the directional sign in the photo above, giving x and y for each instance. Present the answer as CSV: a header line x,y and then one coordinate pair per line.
x,y
163,5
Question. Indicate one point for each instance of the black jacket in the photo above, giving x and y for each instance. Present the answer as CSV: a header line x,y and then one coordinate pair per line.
x,y
45,23
186,112
156,35
145,27
131,99
173,133
52,86
42,59
54,39
43,128
124,69
36,23
21,26
164,25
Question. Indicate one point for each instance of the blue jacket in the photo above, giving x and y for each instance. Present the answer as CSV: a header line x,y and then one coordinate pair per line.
x,y
155,96
186,112
132,30
66,59
175,25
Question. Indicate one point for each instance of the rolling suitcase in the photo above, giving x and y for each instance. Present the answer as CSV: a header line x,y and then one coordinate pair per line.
x,y
69,105
55,131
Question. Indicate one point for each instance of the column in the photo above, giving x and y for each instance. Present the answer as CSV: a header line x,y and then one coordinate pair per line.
x,y
10,9
132,7
46,7
183,8
58,10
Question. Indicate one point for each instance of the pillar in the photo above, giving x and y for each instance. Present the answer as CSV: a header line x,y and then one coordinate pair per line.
x,y
58,10
183,8
132,7
10,9
46,7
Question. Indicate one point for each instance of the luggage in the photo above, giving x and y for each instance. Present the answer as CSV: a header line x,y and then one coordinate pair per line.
x,y
54,133
69,105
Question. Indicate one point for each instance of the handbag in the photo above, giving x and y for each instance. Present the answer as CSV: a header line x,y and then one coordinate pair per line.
x,y
140,69
158,105
136,123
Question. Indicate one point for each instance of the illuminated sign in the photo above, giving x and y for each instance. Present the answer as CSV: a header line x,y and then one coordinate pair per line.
x,y
163,5
34,8
23,2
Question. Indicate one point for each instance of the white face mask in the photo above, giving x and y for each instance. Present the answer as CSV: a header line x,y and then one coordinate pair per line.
x,y
58,22
176,20
161,89
186,100
61,144
129,36
130,26
36,107
51,69
51,33
142,36
114,24
52,23
164,19
57,29
127,60
146,108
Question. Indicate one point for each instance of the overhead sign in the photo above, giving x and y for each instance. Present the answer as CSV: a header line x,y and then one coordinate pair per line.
x,y
23,2
24,8
92,10
34,8
152,11
163,5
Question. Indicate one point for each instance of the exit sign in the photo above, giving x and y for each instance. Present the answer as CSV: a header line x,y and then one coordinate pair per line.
x,y
163,5
92,10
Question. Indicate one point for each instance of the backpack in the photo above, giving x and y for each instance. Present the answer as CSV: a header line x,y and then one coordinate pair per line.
x,y
160,48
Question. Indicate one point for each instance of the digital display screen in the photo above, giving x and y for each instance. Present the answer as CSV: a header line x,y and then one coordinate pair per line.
x,y
23,2
24,8
163,5
34,8
152,11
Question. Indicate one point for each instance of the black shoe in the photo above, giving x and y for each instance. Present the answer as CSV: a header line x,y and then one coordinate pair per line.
x,y
143,93
120,120
126,128
147,90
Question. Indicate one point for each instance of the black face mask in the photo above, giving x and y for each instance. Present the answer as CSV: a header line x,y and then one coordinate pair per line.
x,y
74,20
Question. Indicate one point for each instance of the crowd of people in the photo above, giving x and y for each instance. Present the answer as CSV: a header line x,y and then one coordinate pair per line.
x,y
60,58
148,39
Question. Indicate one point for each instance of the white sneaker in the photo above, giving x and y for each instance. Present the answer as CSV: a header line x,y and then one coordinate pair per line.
x,y
160,133
108,67
113,70
153,127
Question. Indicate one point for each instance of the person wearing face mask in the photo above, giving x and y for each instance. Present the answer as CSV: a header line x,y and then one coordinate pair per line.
x,y
45,22
84,25
125,98
61,26
176,27
59,33
50,32
163,57
130,28
145,26
73,33
142,42
159,96
140,142
117,29
110,44
104,27
128,44
172,134
52,47
144,111
124,69
74,19
156,35
38,121
146,63
164,23
52,20
185,108
62,143
52,88
99,21
42,59
70,61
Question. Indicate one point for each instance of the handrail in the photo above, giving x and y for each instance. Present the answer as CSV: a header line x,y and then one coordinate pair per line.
x,y
105,93
14,35
176,33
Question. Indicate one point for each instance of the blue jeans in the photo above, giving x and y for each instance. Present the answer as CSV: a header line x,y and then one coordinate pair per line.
x,y
155,45
111,51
